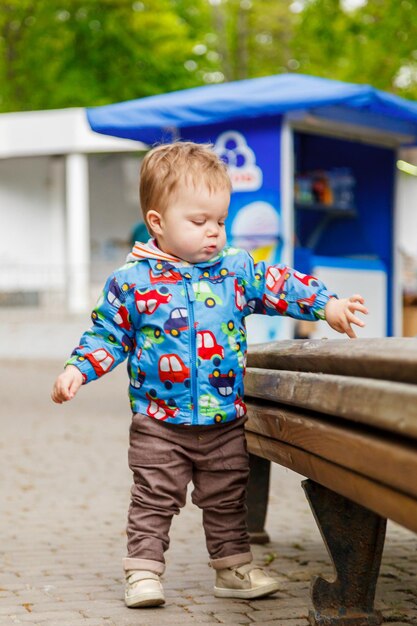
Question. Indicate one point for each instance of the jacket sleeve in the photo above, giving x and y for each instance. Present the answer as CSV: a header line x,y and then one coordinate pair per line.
x,y
281,290
111,337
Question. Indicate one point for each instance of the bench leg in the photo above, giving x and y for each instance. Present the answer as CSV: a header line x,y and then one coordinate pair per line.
x,y
257,498
354,537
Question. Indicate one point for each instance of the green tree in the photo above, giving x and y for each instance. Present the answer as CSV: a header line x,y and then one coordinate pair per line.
x,y
64,53
254,37
374,43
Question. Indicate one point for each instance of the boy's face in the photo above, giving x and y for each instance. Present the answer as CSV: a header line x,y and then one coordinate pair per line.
x,y
192,227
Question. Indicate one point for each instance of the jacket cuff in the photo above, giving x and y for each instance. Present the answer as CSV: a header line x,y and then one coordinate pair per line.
x,y
85,368
320,302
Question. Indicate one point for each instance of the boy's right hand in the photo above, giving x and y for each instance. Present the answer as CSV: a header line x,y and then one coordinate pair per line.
x,y
67,384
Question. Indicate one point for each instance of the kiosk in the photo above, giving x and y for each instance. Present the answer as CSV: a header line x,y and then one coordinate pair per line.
x,y
313,166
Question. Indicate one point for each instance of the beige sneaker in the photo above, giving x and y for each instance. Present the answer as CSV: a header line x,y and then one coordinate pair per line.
x,y
246,582
143,588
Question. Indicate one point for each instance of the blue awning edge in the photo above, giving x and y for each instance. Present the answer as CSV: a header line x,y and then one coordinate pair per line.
x,y
160,117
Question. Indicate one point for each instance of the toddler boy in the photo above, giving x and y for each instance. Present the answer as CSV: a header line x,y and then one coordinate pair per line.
x,y
177,311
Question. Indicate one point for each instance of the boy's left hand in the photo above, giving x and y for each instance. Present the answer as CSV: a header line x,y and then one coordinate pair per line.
x,y
340,314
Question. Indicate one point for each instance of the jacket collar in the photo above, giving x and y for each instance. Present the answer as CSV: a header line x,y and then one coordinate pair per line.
x,y
158,259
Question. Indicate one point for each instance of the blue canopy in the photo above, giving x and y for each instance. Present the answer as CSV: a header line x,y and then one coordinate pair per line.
x,y
152,118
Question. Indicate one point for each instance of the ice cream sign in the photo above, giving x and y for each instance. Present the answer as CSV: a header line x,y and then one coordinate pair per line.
x,y
256,228
245,175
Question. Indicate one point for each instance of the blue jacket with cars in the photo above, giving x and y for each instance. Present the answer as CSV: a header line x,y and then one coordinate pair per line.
x,y
182,329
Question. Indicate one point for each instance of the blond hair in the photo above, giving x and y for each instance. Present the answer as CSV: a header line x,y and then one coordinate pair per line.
x,y
167,166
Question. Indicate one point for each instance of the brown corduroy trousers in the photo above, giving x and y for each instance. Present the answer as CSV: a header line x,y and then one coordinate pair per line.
x,y
164,459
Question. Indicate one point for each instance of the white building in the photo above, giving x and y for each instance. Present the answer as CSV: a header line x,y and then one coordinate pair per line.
x,y
68,202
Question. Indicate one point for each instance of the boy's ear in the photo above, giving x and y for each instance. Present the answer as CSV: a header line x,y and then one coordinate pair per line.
x,y
155,221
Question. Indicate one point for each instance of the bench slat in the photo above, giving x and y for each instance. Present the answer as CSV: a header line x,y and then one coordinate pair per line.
x,y
370,494
389,460
392,358
390,407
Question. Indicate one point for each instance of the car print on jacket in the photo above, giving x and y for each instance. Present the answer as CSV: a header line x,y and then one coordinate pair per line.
x,y
138,379
277,303
305,279
209,406
177,322
236,337
148,300
276,277
223,383
185,340
126,341
172,370
306,304
164,273
255,305
239,296
100,359
240,407
276,295
204,293
150,335
122,318
208,349
159,409
215,279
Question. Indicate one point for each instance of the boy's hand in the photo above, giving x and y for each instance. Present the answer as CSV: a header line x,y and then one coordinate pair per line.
x,y
340,314
67,384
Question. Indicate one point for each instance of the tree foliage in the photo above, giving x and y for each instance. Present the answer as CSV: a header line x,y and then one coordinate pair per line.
x,y
374,43
254,37
60,53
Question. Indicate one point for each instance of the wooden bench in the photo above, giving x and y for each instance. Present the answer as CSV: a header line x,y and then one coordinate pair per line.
x,y
343,414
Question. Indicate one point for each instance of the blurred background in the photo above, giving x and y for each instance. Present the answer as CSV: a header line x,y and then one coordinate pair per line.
x,y
57,54
59,57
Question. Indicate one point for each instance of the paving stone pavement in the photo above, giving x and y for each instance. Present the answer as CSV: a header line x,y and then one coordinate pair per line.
x,y
64,493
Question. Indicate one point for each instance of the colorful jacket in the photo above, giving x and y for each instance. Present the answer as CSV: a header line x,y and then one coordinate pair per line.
x,y
182,328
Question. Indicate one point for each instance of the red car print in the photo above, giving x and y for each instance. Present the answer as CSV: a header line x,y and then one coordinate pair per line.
x,y
166,274
240,407
101,360
273,302
239,296
148,300
208,348
275,278
159,409
305,304
310,281
122,318
172,370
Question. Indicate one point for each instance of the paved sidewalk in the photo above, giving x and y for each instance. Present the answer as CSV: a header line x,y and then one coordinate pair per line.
x,y
64,493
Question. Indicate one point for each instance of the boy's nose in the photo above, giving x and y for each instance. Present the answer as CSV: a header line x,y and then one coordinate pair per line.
x,y
213,230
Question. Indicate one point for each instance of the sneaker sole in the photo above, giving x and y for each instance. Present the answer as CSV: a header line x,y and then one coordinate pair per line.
x,y
144,599
246,594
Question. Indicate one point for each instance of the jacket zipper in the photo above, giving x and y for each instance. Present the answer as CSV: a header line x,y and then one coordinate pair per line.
x,y
193,347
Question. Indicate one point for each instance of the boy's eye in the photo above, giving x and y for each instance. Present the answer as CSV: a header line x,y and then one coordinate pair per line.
x,y
198,222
